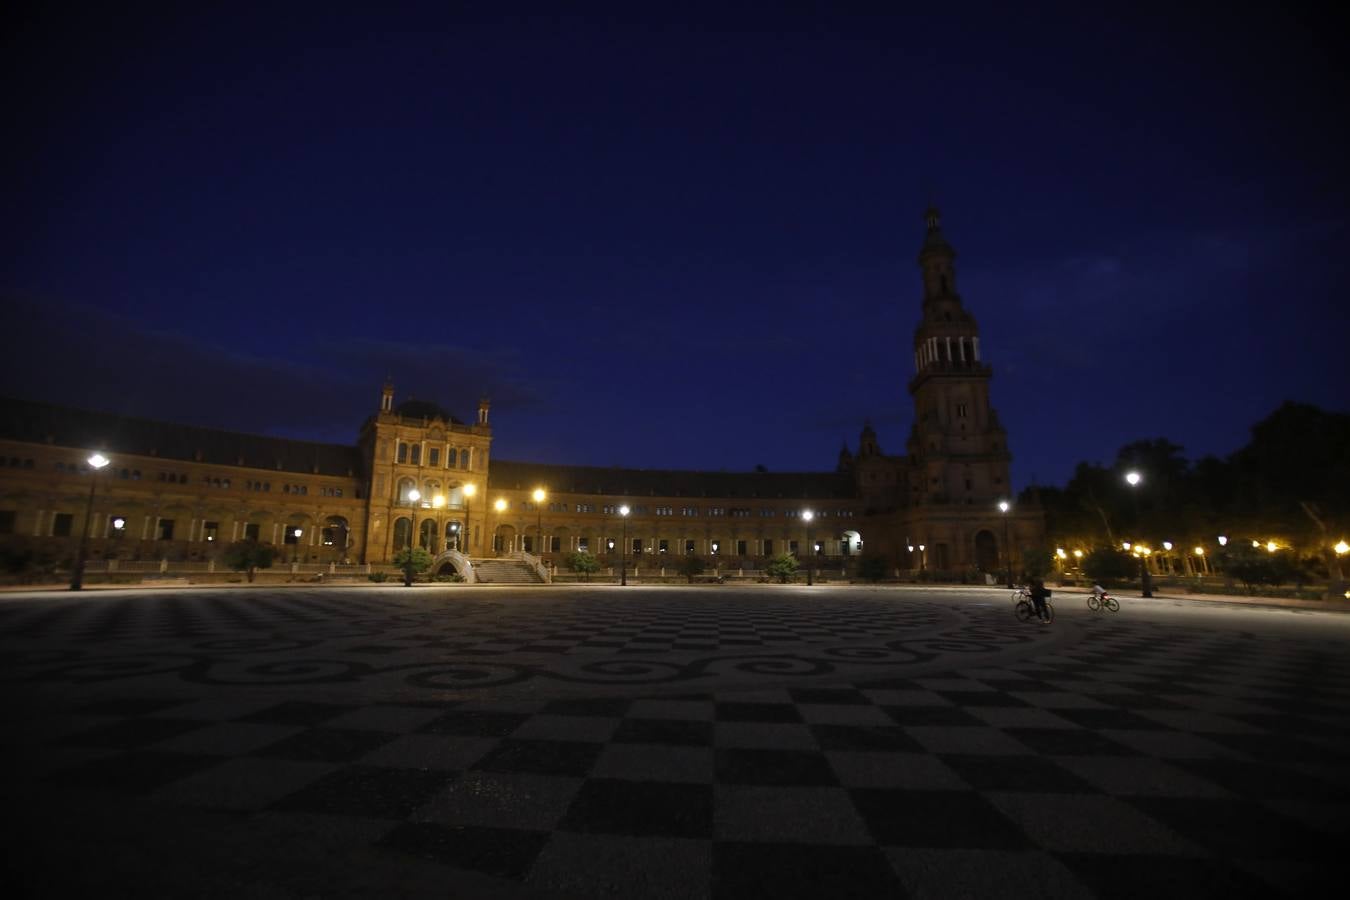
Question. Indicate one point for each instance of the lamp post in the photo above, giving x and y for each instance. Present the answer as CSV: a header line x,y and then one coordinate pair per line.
x,y
623,548
298,534
807,515
539,495
1337,588
413,496
500,506
469,490
96,462
922,566
1003,507
1145,580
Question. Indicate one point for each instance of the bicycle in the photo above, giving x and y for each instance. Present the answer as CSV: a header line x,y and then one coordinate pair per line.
x,y
1021,594
1096,601
1025,610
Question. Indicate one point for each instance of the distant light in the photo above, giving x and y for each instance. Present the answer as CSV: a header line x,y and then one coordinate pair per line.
x,y
539,495
1133,478
1342,548
1059,551
1003,506
414,495
1078,553
470,490
98,461
298,532
911,548
623,510
438,501
500,505
1256,544
1167,545
1223,541
1271,546
808,515
921,548
1126,544
1199,551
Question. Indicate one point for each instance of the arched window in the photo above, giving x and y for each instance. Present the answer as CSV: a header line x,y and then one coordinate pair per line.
x,y
464,458
426,536
402,532
402,452
405,486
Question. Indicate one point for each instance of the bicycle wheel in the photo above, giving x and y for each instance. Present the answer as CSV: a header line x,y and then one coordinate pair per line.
x,y
1094,602
1112,604
1023,611
1049,612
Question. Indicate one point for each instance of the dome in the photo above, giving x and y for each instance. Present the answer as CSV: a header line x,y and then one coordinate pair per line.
x,y
424,409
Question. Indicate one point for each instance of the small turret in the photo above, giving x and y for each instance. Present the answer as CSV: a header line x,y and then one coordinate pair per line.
x,y
867,442
387,396
845,459
483,406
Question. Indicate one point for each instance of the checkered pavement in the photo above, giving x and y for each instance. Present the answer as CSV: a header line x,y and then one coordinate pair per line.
x,y
1131,759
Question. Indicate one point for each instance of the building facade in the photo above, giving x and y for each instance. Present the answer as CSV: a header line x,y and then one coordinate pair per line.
x,y
416,473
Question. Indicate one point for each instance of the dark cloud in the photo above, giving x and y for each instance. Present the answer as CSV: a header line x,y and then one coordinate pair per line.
x,y
82,356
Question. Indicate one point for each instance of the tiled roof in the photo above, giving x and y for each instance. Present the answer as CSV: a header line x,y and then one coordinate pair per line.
x,y
507,475
45,423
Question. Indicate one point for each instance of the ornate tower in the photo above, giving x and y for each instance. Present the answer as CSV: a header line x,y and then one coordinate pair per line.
x,y
958,451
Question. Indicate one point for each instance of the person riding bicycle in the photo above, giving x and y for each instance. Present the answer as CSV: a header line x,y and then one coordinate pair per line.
x,y
1039,594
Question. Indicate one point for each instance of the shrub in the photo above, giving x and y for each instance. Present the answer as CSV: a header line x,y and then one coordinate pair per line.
x,y
249,556
378,577
690,567
784,568
872,568
583,564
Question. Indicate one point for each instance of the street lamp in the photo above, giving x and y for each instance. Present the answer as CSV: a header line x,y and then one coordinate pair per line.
x,y
1003,507
1145,580
96,461
539,495
500,506
298,533
623,547
922,566
413,496
807,515
469,491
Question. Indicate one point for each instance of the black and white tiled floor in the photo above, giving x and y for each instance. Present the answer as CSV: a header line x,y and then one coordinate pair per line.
x,y
845,743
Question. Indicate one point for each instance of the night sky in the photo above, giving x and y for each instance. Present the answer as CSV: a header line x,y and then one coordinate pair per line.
x,y
676,241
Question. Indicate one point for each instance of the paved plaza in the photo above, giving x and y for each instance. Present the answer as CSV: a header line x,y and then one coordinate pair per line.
x,y
660,742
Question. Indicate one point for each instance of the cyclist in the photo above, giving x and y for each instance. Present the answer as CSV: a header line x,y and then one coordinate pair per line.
x,y
1039,593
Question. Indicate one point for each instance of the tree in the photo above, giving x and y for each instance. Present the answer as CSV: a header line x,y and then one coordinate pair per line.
x,y
412,561
872,568
583,564
782,567
690,567
1108,564
1037,562
249,556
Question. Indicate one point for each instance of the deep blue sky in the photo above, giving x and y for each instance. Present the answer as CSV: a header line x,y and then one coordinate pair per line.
x,y
682,240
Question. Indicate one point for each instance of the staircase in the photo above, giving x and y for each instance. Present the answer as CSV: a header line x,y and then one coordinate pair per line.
x,y
505,571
